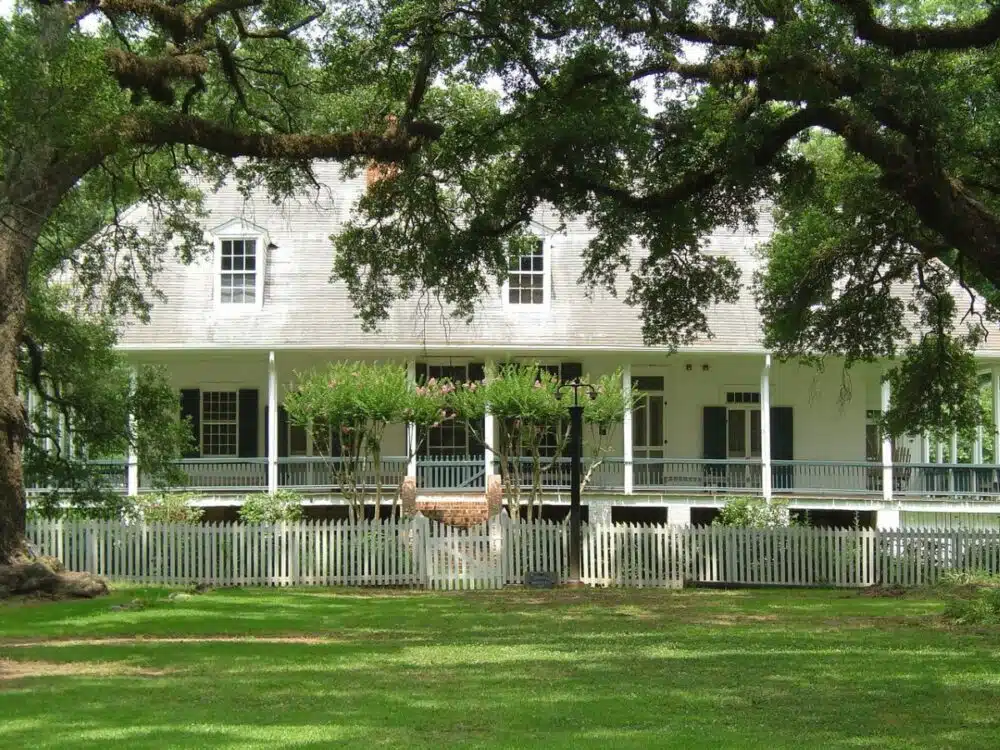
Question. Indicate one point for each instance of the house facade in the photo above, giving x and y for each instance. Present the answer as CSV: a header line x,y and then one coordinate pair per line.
x,y
718,418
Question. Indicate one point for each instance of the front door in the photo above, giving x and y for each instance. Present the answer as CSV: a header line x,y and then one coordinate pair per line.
x,y
647,430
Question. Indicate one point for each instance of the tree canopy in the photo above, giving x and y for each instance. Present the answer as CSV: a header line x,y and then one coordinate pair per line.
x,y
869,130
486,110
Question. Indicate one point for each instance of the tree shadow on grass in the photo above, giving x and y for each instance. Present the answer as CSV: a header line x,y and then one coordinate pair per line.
x,y
606,670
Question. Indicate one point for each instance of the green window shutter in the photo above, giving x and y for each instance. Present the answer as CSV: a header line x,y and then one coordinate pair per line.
x,y
421,373
282,432
248,405
191,410
714,444
781,433
782,477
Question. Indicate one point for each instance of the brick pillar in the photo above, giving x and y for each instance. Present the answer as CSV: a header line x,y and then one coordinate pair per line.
x,y
408,497
494,496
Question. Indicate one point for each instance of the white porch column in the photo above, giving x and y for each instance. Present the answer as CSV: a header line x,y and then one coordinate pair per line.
x,y
411,427
977,447
272,424
886,449
679,515
628,448
489,435
765,430
952,459
131,459
925,448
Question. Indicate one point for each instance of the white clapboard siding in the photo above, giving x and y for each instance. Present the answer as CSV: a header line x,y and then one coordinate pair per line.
x,y
501,551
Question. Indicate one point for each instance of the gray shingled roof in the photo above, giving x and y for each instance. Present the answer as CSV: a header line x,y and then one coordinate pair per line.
x,y
303,309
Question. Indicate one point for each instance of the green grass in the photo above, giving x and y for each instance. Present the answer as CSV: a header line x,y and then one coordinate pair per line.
x,y
590,669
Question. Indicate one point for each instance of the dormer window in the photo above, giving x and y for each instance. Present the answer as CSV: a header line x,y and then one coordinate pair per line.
x,y
528,278
238,277
240,249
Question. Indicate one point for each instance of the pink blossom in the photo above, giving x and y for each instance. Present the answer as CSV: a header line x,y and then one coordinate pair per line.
x,y
332,383
538,384
432,381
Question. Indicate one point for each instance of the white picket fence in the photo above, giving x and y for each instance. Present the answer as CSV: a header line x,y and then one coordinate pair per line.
x,y
420,552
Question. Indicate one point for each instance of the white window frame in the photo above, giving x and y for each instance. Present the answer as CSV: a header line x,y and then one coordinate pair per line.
x,y
239,229
217,388
546,272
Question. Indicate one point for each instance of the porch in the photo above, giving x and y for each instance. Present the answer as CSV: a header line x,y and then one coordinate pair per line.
x,y
705,426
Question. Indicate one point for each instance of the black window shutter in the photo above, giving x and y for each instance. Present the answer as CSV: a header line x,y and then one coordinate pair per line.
x,y
191,410
571,371
421,372
477,371
267,432
782,446
282,432
714,437
781,433
248,404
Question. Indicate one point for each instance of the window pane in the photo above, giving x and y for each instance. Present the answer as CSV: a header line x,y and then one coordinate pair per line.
x,y
647,383
737,433
538,297
639,422
249,294
538,263
297,445
755,433
525,262
536,281
513,295
227,263
655,420
250,263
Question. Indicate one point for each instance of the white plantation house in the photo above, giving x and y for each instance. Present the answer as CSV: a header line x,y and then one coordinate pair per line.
x,y
716,419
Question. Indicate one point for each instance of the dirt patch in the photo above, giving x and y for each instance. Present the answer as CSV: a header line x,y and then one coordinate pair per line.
x,y
18,670
138,640
886,592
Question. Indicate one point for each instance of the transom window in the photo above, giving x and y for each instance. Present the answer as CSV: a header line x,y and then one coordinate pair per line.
x,y
526,279
238,284
743,397
219,423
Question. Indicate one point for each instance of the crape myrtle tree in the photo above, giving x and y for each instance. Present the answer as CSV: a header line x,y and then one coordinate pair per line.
x,y
346,408
531,420
870,128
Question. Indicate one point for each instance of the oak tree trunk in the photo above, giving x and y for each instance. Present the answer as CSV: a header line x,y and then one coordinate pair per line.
x,y
17,237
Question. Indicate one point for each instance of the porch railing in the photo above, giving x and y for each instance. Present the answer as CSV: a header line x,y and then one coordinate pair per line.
x,y
451,472
705,476
324,473
801,478
222,474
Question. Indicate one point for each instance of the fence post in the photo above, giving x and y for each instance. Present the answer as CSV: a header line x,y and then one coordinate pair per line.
x,y
91,532
495,527
418,534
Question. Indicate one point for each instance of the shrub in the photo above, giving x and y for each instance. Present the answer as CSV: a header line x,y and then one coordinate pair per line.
x,y
979,578
753,512
168,507
982,607
265,508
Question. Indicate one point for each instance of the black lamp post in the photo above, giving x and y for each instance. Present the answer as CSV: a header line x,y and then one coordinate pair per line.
x,y
576,457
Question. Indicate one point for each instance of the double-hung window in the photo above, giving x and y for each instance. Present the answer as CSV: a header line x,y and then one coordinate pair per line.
x,y
527,280
239,269
219,423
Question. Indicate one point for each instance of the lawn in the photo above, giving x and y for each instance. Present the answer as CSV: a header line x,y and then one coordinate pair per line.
x,y
589,669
